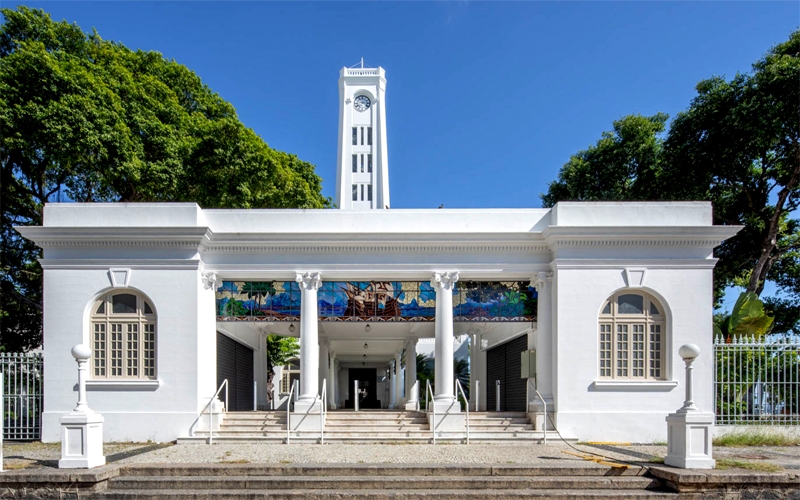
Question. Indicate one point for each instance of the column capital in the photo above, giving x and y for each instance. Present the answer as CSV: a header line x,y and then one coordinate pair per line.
x,y
309,280
541,279
444,280
209,280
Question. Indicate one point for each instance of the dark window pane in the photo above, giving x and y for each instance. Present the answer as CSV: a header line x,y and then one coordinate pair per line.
x,y
102,308
355,192
355,136
355,163
630,304
653,309
147,308
124,303
607,309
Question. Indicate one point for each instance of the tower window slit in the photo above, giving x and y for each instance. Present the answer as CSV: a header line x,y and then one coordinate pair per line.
x,y
355,163
369,163
362,192
355,192
362,164
355,136
369,136
369,192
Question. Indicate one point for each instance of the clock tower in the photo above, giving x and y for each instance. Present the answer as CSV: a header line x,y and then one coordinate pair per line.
x,y
362,173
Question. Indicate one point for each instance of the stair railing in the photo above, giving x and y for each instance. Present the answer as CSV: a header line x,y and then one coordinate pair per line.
x,y
288,410
543,403
429,390
323,412
210,409
497,396
460,389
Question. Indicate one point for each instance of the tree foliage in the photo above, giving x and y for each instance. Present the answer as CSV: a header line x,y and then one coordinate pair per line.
x,y
737,145
748,318
84,119
279,351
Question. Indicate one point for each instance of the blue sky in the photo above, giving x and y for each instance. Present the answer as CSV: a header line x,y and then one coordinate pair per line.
x,y
485,100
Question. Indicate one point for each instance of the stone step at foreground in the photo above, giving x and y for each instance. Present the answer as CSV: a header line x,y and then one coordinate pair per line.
x,y
379,481
384,494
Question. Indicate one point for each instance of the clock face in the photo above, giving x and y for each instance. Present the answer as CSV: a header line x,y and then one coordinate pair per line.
x,y
361,103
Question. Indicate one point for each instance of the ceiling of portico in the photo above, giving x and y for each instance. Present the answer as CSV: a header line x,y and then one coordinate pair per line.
x,y
384,340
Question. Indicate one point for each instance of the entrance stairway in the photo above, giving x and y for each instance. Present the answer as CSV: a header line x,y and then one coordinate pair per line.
x,y
372,426
380,481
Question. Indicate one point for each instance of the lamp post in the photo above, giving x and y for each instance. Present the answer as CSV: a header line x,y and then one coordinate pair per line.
x,y
689,430
82,428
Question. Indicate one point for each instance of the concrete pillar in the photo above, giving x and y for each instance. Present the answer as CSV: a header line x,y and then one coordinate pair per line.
x,y
444,397
412,385
398,380
543,340
392,386
309,342
333,376
324,363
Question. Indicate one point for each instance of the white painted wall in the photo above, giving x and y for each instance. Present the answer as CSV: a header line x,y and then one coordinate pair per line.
x,y
168,247
185,368
632,411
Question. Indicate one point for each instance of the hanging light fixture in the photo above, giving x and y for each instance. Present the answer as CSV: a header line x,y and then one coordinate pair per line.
x,y
367,328
291,328
366,346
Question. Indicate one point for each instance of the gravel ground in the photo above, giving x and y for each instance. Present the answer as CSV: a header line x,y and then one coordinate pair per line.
x,y
45,455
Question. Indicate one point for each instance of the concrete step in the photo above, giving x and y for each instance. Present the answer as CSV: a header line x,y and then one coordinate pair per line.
x,y
392,482
376,470
384,494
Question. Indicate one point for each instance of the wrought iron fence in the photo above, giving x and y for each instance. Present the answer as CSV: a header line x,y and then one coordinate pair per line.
x,y
757,381
22,395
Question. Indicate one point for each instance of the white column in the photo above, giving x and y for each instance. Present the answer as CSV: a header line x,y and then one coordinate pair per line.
x,y
412,386
333,375
398,379
544,337
392,386
443,284
309,343
324,365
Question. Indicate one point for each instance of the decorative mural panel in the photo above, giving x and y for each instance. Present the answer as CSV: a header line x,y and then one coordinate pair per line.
x,y
376,301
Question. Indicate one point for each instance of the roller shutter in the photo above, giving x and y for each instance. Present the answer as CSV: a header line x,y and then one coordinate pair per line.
x,y
503,364
235,363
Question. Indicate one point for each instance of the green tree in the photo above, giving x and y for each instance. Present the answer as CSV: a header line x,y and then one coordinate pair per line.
x,y
748,318
84,119
738,146
623,165
279,351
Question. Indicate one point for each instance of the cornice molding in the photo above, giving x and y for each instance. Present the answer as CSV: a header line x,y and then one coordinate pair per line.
x,y
637,236
116,237
373,248
105,264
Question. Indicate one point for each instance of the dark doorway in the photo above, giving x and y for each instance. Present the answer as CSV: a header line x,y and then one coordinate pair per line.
x,y
503,363
235,363
367,385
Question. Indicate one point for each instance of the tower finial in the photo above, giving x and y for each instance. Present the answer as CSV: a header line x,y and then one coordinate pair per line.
x,y
362,62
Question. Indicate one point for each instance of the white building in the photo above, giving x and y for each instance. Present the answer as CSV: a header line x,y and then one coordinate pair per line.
x,y
173,298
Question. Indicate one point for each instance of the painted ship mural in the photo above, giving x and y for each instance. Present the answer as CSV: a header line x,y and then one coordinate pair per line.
x,y
376,301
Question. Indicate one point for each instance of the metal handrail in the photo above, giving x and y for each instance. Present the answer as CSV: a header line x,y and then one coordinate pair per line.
x,y
323,411
497,396
545,408
2,419
210,413
288,409
466,402
355,398
429,389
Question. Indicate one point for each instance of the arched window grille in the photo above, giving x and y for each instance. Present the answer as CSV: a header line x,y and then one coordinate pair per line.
x,y
632,331
123,329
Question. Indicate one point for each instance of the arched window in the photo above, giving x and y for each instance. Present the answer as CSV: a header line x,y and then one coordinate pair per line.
x,y
123,337
632,337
